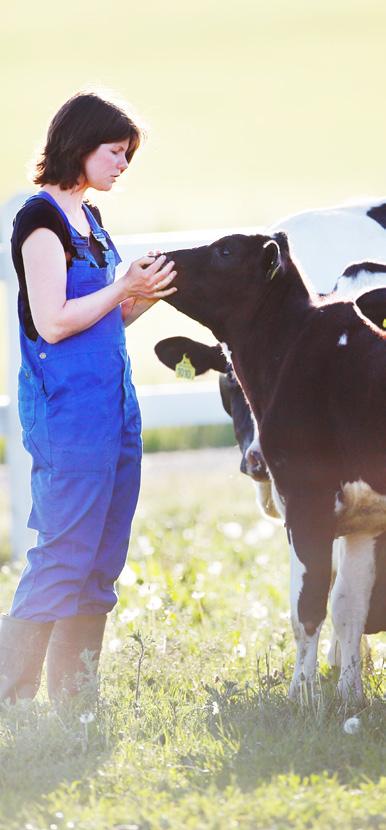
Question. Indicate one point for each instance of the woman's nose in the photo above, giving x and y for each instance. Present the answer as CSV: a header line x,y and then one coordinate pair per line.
x,y
123,164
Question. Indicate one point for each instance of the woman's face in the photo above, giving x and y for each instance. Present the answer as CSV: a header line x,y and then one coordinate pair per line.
x,y
103,166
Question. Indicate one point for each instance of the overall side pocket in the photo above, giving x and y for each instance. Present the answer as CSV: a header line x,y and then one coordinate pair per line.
x,y
26,399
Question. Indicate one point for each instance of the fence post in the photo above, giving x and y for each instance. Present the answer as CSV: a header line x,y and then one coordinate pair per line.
x,y
18,459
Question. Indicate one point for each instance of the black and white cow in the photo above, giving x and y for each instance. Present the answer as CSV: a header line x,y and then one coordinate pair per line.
x,y
324,242
313,372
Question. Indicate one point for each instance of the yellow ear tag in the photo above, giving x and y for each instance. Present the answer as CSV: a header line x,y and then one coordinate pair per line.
x,y
384,323
185,369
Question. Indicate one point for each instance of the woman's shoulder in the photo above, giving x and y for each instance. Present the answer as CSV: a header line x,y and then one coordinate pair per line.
x,y
37,213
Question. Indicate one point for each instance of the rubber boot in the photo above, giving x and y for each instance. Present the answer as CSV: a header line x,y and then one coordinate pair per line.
x,y
23,645
73,654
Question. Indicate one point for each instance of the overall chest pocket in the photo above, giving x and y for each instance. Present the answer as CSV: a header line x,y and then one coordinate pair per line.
x,y
86,277
26,399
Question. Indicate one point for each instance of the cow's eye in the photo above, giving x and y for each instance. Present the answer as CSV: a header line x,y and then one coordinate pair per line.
x,y
224,251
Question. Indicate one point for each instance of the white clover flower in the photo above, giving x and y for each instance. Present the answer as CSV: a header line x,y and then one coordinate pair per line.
x,y
215,568
266,529
115,644
232,530
262,559
240,650
260,532
147,589
351,726
129,614
87,717
128,576
145,545
198,594
154,604
215,708
258,611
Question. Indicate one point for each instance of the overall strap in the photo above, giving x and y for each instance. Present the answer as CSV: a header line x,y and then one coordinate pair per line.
x,y
101,234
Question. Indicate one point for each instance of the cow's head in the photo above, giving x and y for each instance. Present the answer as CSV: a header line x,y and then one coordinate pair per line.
x,y
171,351
227,278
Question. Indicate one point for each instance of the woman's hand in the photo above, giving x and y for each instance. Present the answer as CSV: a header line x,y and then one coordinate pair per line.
x,y
149,278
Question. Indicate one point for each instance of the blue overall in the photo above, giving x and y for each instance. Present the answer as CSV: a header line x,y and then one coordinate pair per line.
x,y
81,424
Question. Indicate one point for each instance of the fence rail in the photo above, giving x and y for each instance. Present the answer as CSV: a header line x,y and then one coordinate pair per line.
x,y
165,405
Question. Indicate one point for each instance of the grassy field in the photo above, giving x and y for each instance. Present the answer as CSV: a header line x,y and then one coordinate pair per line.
x,y
213,743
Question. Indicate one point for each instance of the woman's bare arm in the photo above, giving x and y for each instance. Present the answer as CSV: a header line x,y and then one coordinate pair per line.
x,y
54,316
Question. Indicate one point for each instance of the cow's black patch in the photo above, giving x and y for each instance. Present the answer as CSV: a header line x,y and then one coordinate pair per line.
x,y
376,617
371,268
378,213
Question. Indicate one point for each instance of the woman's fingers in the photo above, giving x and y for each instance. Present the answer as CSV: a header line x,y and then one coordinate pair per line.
x,y
160,294
163,283
154,265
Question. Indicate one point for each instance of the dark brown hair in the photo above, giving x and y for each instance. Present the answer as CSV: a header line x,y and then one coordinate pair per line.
x,y
83,123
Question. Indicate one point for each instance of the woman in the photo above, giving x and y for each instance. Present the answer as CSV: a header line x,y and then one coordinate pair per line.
x,y
78,409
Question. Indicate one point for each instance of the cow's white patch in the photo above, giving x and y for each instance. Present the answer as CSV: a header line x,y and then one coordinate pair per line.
x,y
359,508
343,339
350,597
306,646
351,287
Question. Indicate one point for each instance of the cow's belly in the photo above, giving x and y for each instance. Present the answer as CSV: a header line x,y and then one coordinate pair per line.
x,y
360,509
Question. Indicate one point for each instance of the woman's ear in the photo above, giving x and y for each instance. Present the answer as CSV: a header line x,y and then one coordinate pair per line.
x,y
272,261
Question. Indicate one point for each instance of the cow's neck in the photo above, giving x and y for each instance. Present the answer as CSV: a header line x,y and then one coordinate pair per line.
x,y
260,341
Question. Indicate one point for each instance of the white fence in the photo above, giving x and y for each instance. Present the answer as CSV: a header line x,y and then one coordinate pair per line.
x,y
161,406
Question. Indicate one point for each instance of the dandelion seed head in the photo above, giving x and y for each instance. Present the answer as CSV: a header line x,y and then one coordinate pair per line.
x,y
87,717
215,568
351,726
232,530
145,545
115,644
258,611
129,614
154,604
128,576
147,589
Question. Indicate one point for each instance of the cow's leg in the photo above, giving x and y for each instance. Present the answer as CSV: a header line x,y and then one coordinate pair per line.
x,y
306,645
310,525
333,655
350,605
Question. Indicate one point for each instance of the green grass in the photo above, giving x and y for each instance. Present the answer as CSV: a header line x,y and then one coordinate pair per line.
x,y
213,742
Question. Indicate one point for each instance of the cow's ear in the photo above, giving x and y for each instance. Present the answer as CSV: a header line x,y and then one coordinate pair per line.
x,y
171,350
272,259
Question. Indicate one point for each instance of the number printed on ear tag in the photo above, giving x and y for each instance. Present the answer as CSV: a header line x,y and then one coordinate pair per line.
x,y
185,369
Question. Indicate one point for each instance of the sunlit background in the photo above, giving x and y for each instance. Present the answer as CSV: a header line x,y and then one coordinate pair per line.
x,y
254,110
